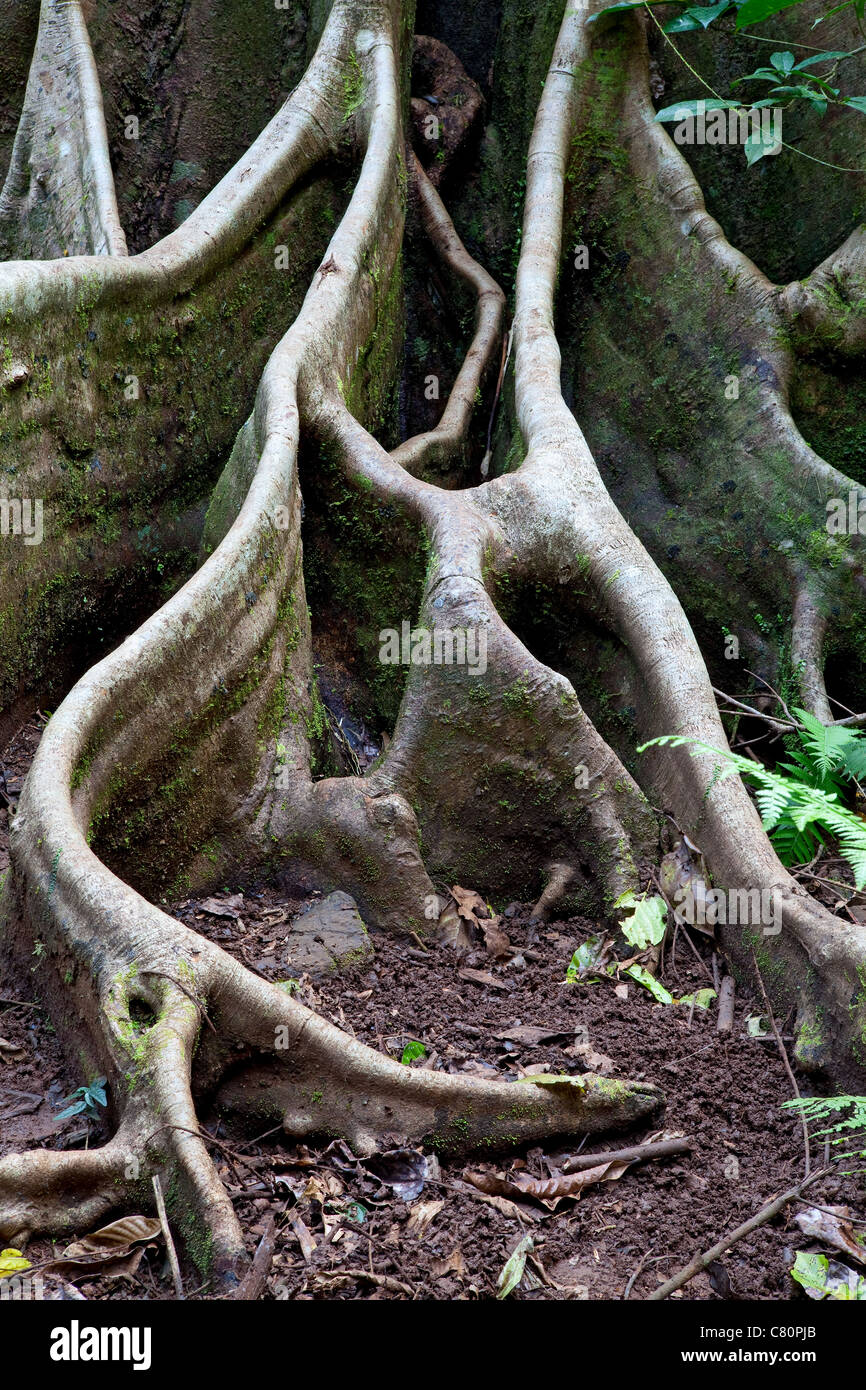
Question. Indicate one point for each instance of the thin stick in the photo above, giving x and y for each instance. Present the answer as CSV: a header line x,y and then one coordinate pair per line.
x,y
664,1148
256,1277
638,1271
725,1020
169,1243
765,1214
783,1054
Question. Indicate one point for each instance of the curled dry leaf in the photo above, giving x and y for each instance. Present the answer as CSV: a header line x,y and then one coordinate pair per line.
x,y
116,1238
10,1052
223,907
594,1061
531,1035
454,1264
421,1216
484,978
473,910
403,1170
549,1191
115,1250
832,1228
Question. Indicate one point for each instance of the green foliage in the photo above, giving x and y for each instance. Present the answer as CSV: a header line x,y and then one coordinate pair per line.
x,y
412,1051
792,82
85,1100
801,804
647,924
818,1109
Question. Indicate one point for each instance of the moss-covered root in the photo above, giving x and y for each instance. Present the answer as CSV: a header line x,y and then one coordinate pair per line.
x,y
560,477
58,198
261,1053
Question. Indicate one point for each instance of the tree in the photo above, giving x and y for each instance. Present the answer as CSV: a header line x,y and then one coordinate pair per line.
x,y
191,753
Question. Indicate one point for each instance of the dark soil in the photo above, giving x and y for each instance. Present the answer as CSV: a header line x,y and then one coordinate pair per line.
x,y
342,1233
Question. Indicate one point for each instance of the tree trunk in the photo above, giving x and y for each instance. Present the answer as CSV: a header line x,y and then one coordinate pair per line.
x,y
170,407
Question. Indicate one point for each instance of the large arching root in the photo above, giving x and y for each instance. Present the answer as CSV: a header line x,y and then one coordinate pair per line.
x,y
147,738
768,475
185,756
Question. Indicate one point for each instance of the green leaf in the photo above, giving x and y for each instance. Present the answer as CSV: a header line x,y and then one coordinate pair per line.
x,y
683,109
858,10
648,922
705,14
754,11
77,1109
756,148
828,1278
584,958
703,998
413,1050
858,103
649,982
629,5
782,61
819,58
683,24
512,1270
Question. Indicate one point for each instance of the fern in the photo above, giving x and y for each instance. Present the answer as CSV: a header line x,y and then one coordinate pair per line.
x,y
795,814
816,1109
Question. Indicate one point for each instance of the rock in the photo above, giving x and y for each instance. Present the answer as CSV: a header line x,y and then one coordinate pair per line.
x,y
328,935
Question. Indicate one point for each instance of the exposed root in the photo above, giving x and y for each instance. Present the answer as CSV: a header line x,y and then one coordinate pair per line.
x,y
58,198
807,645
438,446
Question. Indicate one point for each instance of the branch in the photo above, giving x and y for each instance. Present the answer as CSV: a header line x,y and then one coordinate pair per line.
x,y
760,1218
450,433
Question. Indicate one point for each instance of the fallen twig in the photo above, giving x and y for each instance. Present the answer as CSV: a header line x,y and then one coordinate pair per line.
x,y
787,1065
253,1285
725,1020
166,1231
765,1214
644,1260
638,1153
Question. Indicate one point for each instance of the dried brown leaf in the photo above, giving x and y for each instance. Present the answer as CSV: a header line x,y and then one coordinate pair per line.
x,y
421,1215
548,1191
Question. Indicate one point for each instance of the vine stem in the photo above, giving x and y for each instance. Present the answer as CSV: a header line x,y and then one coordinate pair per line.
x,y
839,168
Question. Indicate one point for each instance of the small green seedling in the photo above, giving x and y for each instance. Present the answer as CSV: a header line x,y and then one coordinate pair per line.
x,y
85,1099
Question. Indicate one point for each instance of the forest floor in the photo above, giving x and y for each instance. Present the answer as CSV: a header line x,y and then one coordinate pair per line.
x,y
406,1225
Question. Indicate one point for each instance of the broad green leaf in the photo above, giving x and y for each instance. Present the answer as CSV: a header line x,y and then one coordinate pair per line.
x,y
649,982
512,1270
755,147
828,57
648,922
857,103
754,11
705,14
703,998
858,10
683,24
584,958
629,5
782,61
683,109
823,1278
413,1050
